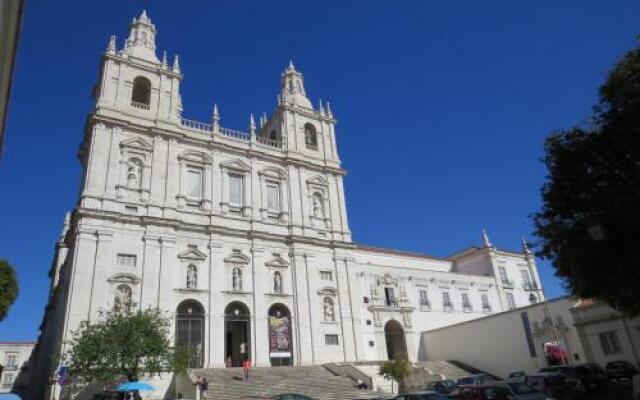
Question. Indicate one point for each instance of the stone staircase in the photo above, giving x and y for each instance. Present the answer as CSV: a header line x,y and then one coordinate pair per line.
x,y
315,381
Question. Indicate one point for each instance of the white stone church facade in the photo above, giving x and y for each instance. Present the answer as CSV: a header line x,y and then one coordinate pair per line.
x,y
243,237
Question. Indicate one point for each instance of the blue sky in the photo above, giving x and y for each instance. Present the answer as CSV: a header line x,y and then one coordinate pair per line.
x,y
442,107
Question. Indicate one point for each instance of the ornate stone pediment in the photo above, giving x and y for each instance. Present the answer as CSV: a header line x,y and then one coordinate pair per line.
x,y
124,278
192,254
237,165
136,143
328,291
386,280
273,172
277,262
236,257
318,180
194,156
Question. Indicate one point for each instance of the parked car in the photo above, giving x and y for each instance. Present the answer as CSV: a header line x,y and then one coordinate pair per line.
x,y
116,395
478,379
591,376
556,385
291,396
618,370
517,376
508,390
424,395
445,386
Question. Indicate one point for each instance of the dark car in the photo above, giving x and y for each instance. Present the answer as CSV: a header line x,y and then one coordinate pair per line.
x,y
291,396
556,385
498,391
445,386
425,395
618,370
591,376
116,395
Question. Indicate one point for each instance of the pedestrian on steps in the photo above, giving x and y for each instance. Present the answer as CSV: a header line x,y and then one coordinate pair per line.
x,y
246,365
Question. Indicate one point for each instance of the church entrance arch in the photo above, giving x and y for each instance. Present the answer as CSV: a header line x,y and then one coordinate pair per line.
x,y
190,332
280,340
396,343
237,334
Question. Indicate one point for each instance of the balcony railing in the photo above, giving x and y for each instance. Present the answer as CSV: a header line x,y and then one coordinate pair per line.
x,y
238,135
140,106
195,125
530,286
447,307
467,308
269,142
507,283
486,309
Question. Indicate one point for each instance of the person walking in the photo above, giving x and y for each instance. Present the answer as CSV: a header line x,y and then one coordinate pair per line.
x,y
246,365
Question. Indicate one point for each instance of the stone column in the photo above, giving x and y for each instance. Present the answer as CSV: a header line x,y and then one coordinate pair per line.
x,y
103,258
215,356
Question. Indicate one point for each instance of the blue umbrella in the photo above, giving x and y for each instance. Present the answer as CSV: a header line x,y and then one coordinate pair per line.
x,y
136,385
9,396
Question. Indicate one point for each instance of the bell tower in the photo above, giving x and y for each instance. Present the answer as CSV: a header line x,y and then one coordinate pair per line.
x,y
134,82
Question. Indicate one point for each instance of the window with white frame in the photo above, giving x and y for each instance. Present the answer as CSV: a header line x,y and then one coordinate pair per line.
x,y
610,343
466,304
511,301
486,307
273,197
235,190
447,305
503,275
192,277
126,260
326,275
425,305
331,340
194,183
7,379
10,359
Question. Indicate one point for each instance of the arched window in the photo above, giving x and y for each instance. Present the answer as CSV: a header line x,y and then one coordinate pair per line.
x,y
141,94
122,301
310,137
134,173
329,312
236,279
277,282
192,277
533,299
273,135
318,205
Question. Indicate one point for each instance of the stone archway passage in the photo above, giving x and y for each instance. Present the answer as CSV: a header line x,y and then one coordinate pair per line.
x,y
395,340
280,340
237,334
190,332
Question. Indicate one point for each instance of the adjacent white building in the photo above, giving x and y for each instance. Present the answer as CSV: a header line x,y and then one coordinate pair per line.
x,y
243,237
14,357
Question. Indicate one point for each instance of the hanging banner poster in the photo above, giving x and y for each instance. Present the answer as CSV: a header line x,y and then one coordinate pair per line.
x,y
279,337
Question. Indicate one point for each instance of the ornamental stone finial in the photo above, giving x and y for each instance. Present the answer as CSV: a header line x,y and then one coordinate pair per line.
x,y
525,247
329,112
164,59
111,48
252,125
176,64
485,239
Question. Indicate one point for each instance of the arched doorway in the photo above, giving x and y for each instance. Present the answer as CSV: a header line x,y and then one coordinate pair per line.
x,y
237,337
396,344
190,332
280,339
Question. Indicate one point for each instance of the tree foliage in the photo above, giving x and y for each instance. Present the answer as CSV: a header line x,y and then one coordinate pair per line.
x,y
8,287
589,222
123,344
395,370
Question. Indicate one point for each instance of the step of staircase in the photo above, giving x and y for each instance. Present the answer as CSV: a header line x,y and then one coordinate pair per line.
x,y
316,382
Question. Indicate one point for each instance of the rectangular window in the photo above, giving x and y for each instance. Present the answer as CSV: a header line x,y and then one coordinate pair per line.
x,y
235,190
610,343
486,307
126,260
511,301
503,275
10,360
273,197
466,304
331,340
8,379
526,279
389,297
326,275
425,305
447,305
194,183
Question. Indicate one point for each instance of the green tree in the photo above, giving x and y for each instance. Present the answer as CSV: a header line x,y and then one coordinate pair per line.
x,y
8,287
123,344
395,370
590,218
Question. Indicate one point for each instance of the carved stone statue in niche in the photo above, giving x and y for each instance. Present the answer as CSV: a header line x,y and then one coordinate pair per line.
x,y
277,282
134,170
329,314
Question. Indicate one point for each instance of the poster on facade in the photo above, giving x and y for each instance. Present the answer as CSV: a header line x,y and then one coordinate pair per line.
x,y
279,339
